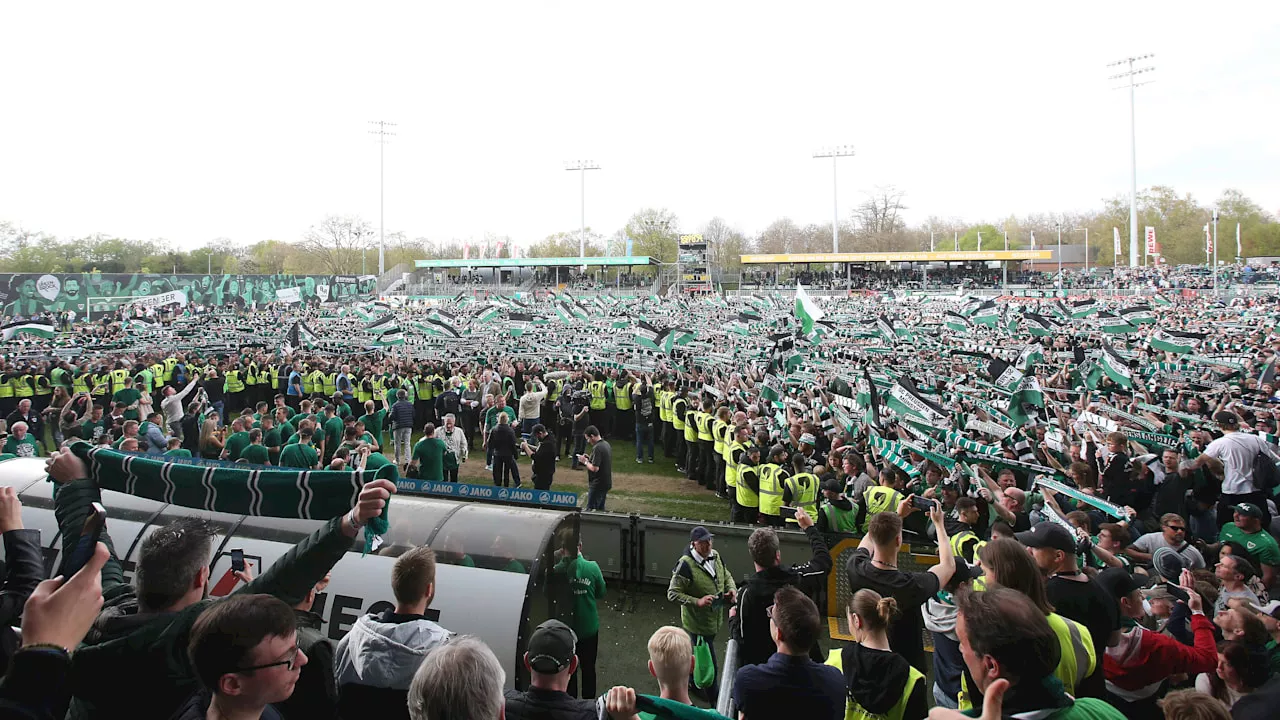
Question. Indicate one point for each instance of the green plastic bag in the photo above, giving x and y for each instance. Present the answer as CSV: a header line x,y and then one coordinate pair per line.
x,y
704,665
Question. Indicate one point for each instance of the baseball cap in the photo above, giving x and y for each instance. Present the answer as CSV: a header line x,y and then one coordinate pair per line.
x,y
700,533
1048,535
1272,608
551,647
1160,591
1117,582
1249,510
1226,419
1168,563
832,485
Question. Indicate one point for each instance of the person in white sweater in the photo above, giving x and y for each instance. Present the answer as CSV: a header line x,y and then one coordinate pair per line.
x,y
455,442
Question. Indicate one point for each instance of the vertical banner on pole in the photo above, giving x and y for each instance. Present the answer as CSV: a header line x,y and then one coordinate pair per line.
x,y
1151,241
1239,248
1208,243
1115,234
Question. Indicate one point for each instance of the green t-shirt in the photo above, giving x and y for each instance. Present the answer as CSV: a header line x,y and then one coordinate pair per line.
x,y
373,422
128,396
515,566
288,412
26,447
491,416
91,431
332,434
429,452
376,461
270,439
466,561
1260,544
236,444
587,584
256,454
178,453
299,456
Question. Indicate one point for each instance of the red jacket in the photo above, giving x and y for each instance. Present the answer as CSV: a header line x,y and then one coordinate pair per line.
x,y
1145,661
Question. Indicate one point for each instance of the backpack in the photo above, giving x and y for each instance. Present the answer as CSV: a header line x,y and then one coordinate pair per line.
x,y
1266,476
451,403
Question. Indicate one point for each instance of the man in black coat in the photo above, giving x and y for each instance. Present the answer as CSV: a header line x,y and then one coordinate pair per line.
x,y
749,621
544,453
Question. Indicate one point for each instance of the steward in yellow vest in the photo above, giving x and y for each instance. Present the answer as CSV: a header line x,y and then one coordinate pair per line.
x,y
771,477
597,394
801,489
748,491
878,499
880,684
837,513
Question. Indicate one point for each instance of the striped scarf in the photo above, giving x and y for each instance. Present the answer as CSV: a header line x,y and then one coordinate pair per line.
x,y
233,488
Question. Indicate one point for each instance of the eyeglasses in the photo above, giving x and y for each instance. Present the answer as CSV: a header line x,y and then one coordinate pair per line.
x,y
1176,528
289,664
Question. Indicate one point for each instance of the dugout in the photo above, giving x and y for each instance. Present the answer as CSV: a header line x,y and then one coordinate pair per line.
x,y
512,587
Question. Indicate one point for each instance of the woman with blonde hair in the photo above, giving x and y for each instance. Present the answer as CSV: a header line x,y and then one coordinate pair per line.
x,y
210,439
879,682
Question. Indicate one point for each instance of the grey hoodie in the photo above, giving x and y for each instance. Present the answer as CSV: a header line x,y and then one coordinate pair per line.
x,y
385,654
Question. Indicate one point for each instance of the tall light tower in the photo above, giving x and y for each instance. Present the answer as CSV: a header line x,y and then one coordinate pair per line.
x,y
835,153
1131,72
1215,252
383,133
582,166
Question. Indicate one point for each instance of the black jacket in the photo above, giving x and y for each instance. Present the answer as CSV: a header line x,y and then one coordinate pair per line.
x,y
37,686
22,572
876,680
751,627
536,704
315,696
503,441
544,458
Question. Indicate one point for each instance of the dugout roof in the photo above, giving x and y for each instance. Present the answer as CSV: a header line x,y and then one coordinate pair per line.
x,y
613,260
878,257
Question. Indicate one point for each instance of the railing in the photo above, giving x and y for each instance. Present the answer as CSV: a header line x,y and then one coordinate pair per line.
x,y
392,276
729,667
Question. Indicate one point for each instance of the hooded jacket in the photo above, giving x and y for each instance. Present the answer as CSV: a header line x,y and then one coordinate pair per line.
x,y
877,679
381,652
752,623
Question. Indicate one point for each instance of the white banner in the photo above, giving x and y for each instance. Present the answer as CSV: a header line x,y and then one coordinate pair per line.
x,y
176,297
1115,232
1151,240
288,295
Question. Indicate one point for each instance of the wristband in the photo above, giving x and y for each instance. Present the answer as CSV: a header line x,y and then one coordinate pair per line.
x,y
351,518
47,647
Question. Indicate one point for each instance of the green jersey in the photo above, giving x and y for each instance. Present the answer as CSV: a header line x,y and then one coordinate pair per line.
x,y
1260,544
128,396
299,456
256,454
178,453
587,583
236,444
429,453
373,422
26,447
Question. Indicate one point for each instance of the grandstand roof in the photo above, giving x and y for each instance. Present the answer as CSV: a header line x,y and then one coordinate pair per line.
x,y
537,262
874,257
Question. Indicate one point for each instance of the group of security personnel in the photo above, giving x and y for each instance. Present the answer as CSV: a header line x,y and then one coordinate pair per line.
x,y
720,450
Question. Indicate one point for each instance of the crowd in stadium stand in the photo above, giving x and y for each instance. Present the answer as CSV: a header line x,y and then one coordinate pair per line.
x,y
1099,479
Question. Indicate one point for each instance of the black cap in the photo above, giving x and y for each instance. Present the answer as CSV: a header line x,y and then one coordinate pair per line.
x,y
539,428
832,485
1226,419
552,647
1168,563
1117,582
699,534
1048,535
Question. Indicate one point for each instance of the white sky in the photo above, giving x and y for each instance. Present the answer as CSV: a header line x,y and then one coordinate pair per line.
x,y
250,120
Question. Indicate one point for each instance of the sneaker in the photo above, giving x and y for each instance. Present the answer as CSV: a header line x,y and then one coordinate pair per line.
x,y
650,461
489,468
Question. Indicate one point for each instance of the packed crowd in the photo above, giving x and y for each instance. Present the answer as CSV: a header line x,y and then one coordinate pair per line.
x,y
1098,477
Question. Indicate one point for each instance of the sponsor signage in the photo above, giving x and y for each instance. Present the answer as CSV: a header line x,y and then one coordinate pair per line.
x,y
521,496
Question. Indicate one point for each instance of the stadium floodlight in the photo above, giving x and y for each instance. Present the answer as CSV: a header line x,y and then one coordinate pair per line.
x,y
1130,73
835,153
582,166
382,134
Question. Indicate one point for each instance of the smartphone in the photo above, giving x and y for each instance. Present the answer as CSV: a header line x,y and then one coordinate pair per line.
x,y
787,513
237,560
89,536
922,503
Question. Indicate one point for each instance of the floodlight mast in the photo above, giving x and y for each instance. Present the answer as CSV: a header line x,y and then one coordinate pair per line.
x,y
383,133
835,153
1130,73
582,166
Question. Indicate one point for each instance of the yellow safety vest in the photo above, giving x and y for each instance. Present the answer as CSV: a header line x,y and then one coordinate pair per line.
x,y
274,372
746,496
308,384
555,388
23,388
840,520
879,499
157,375
169,364
42,386
854,711
704,425
1078,657
730,467
966,544
330,384
231,382
597,395
100,383
804,493
770,490
117,379
379,388
664,405
717,434
677,413
6,388
80,383
622,396
690,425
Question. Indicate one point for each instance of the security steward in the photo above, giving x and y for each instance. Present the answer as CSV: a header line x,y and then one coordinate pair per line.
x,y
880,498
719,440
706,448
837,513
801,489
734,448
692,458
624,424
771,487
702,586
748,497
599,405
675,438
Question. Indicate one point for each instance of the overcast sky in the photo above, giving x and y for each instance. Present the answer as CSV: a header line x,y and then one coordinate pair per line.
x,y
250,120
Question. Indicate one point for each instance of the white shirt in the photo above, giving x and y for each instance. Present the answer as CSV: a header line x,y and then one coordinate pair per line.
x,y
1237,453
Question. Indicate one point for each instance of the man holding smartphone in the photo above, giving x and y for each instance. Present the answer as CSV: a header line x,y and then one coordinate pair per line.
x,y
599,467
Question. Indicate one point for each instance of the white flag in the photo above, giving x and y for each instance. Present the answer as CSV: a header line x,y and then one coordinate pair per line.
x,y
1115,232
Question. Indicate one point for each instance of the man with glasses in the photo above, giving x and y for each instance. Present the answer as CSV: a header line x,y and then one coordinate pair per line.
x,y
1173,535
245,652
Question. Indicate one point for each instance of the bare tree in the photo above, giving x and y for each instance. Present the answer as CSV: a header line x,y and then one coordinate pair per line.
x,y
881,214
781,236
336,243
